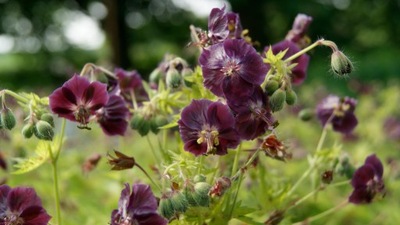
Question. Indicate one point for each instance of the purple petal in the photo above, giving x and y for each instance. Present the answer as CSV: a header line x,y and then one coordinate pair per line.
x,y
195,148
112,118
360,195
142,198
362,175
124,199
35,215
220,116
194,115
151,218
373,161
21,198
77,85
96,95
345,124
218,25
4,190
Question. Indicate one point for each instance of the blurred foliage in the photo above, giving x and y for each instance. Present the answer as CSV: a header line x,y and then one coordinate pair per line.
x,y
138,33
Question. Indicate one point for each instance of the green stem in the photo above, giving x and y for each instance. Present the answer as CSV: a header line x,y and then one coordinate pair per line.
x,y
323,214
153,151
15,95
148,176
236,160
63,125
304,50
236,195
241,170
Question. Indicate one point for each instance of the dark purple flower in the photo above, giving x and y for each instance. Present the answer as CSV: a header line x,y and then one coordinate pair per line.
x,y
78,99
21,205
138,207
233,61
339,112
130,83
367,181
299,29
218,25
299,72
253,116
207,127
112,117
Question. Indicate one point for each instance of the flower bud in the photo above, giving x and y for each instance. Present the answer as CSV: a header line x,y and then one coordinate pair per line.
x,y
179,203
291,97
188,193
277,100
27,130
166,209
201,193
156,122
185,73
155,76
140,124
271,86
340,64
306,114
7,118
43,130
48,118
173,78
199,178
327,177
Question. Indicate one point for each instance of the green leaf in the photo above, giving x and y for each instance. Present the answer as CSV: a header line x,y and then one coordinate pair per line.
x,y
29,164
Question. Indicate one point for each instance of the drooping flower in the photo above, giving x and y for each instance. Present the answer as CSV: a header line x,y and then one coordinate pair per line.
x,y
253,117
207,127
367,181
113,116
78,99
130,83
138,207
339,112
233,61
21,206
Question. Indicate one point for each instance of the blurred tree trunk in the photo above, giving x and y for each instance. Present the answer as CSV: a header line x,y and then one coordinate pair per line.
x,y
114,26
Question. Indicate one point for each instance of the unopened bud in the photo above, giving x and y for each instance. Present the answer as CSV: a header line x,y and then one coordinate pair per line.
x,y
199,178
48,118
179,203
43,130
166,209
156,122
277,100
7,119
271,86
340,64
291,97
27,130
186,72
201,193
188,192
173,78
140,124
155,76
306,114
327,177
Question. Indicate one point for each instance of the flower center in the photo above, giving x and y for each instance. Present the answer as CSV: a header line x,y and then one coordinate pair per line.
x,y
210,136
81,115
230,68
12,219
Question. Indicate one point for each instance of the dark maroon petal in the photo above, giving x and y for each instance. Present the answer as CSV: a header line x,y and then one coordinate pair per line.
x,y
124,199
69,95
115,217
299,72
21,198
60,105
345,124
114,126
112,118
373,161
194,115
35,215
151,218
4,190
362,175
142,198
361,195
96,96
299,28
220,116
195,148
77,85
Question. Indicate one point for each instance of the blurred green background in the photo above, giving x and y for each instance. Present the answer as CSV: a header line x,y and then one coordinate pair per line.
x,y
44,42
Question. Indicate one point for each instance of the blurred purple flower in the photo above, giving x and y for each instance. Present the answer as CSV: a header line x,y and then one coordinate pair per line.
x,y
78,99
391,127
138,207
233,61
21,205
299,72
298,32
367,181
339,112
218,25
207,127
130,83
112,117
234,25
252,113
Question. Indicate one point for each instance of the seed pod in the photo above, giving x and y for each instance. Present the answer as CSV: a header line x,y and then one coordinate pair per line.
x,y
166,209
43,130
7,118
291,97
271,86
173,78
48,118
277,100
27,130
201,193
340,64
